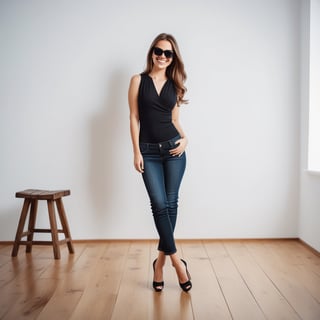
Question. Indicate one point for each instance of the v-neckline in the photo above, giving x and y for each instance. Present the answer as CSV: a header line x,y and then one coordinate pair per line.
x,y
155,87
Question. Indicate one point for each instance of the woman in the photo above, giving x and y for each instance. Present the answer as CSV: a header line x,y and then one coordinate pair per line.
x,y
159,145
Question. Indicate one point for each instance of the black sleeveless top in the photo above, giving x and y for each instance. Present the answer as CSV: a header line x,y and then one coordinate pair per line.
x,y
155,111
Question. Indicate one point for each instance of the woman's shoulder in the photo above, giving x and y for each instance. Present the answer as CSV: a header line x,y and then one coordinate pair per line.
x,y
136,77
135,80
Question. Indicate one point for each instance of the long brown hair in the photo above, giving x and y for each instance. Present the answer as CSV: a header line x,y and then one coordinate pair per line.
x,y
175,71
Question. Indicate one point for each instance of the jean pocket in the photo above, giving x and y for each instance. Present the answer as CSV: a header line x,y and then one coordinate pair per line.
x,y
172,145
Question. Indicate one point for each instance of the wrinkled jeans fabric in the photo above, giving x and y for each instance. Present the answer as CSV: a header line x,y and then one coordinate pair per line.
x,y
162,177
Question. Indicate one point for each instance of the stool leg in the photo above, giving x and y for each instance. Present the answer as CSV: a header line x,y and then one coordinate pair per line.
x,y
32,222
54,230
20,228
64,223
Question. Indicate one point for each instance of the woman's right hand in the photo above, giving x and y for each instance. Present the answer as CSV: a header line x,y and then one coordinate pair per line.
x,y
138,162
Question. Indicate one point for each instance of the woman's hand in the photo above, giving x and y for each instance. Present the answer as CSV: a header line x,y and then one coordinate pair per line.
x,y
179,150
138,162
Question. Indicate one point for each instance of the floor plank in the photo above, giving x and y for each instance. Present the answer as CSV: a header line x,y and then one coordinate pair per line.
x,y
291,288
134,284
100,295
271,301
207,299
245,279
25,294
299,268
241,302
69,291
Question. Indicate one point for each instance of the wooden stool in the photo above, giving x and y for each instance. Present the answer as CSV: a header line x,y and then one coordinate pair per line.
x,y
31,197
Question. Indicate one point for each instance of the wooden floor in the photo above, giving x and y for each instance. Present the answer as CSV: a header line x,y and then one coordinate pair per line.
x,y
264,279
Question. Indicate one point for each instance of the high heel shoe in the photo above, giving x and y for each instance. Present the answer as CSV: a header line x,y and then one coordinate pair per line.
x,y
157,286
186,286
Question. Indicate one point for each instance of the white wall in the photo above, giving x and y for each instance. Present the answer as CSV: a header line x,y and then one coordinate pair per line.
x,y
309,222
65,68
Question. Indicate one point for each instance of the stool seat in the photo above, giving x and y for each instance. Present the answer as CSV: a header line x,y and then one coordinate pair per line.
x,y
31,198
42,194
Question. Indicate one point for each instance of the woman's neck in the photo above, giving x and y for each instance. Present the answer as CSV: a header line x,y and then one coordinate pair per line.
x,y
158,74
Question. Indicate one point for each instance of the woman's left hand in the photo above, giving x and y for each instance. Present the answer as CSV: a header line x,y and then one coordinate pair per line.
x,y
179,150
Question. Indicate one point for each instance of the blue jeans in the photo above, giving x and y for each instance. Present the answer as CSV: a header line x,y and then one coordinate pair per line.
x,y
162,177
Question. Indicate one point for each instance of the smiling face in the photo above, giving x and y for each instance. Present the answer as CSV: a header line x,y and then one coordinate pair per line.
x,y
162,61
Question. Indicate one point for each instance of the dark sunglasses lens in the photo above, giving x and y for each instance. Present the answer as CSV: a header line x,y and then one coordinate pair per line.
x,y
168,54
158,52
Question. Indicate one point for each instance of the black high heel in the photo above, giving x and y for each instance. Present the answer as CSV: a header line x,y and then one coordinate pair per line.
x,y
157,286
187,285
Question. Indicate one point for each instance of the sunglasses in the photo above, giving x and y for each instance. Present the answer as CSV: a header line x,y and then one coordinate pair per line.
x,y
158,52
